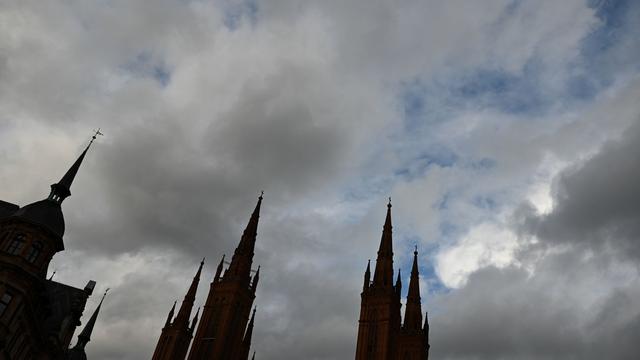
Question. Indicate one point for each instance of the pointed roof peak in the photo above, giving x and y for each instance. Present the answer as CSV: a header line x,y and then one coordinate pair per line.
x,y
85,335
413,313
243,255
62,189
189,298
383,274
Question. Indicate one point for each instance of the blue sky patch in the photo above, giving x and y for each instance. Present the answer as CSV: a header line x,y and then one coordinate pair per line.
x,y
237,12
145,65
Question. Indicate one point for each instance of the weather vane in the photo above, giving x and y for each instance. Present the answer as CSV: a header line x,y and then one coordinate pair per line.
x,y
95,134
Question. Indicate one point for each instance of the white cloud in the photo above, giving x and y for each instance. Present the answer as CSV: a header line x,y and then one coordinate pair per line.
x,y
484,245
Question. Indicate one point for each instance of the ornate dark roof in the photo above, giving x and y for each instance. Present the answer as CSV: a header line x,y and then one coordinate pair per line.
x,y
7,209
45,213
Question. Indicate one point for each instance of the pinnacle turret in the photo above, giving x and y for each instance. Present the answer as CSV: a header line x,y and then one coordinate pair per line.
x,y
240,266
171,312
383,275
85,334
187,304
367,276
413,312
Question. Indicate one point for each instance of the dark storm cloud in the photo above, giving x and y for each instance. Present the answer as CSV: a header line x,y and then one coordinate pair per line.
x,y
554,305
597,203
557,312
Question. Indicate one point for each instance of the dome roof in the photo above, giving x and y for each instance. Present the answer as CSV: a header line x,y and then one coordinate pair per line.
x,y
46,213
7,209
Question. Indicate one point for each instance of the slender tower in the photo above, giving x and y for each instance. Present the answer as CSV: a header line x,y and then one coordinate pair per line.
x,y
176,334
413,343
222,331
37,316
77,352
380,307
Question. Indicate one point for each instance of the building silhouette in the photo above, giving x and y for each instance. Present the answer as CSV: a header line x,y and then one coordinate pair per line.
x,y
225,328
381,333
38,316
77,352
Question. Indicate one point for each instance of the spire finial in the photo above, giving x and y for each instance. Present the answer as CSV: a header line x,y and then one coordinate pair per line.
x,y
389,204
104,295
261,195
51,277
415,251
95,134
62,189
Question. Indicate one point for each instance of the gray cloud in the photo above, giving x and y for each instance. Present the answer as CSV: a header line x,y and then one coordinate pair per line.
x,y
596,202
302,100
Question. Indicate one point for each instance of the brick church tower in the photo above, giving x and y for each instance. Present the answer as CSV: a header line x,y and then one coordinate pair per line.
x,y
226,326
381,333
38,316
223,332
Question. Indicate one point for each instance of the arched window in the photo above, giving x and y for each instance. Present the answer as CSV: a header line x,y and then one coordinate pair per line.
x,y
16,245
34,252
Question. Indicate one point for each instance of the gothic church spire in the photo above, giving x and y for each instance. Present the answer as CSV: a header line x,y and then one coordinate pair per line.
x,y
413,312
383,275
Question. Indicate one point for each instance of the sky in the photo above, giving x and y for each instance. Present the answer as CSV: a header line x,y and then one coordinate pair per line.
x,y
506,132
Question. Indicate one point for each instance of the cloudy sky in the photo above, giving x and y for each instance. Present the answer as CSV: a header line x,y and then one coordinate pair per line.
x,y
507,133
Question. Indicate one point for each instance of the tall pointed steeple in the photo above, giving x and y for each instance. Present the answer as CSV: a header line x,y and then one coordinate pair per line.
x,y
383,275
187,304
224,329
85,336
62,189
240,266
47,212
413,312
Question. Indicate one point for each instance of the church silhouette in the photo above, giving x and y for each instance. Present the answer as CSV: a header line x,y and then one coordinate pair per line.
x,y
38,316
